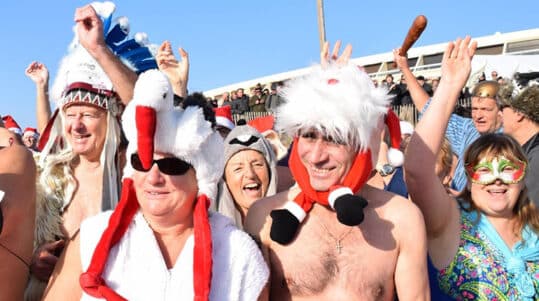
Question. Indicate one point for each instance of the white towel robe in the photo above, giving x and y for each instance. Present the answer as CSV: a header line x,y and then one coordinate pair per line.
x,y
137,271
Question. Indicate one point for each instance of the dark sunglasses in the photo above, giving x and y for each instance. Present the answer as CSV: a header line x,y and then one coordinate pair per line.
x,y
170,166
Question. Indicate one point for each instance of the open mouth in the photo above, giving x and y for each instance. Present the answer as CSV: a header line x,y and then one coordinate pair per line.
x,y
252,187
497,191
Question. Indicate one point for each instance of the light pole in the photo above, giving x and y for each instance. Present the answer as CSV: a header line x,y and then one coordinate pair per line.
x,y
321,24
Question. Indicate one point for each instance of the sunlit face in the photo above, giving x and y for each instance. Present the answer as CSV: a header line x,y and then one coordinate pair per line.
x,y
486,116
496,184
247,178
30,141
511,120
327,162
86,129
165,196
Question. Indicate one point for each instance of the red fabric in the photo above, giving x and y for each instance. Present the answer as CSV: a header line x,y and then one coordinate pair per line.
x,y
145,120
91,281
357,176
393,124
202,257
262,124
47,131
94,285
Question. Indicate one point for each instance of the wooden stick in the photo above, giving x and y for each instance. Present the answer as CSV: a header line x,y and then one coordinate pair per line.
x,y
420,23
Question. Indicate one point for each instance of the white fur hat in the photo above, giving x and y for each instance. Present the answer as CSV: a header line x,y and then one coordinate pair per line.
x,y
183,133
340,101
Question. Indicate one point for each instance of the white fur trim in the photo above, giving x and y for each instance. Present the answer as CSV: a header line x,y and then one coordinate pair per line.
x,y
182,133
347,110
224,122
395,157
335,194
296,210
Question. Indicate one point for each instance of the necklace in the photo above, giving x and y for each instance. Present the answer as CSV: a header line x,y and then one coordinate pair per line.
x,y
338,240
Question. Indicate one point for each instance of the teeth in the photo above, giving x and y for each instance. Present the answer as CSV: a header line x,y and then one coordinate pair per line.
x,y
320,170
251,186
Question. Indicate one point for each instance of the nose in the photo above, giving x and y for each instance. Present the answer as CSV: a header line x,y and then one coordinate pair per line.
x,y
249,172
318,152
154,175
77,123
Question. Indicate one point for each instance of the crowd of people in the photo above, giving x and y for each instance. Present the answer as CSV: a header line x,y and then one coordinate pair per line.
x,y
138,190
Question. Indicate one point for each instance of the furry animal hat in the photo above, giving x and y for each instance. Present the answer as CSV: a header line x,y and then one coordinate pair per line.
x,y
523,96
239,139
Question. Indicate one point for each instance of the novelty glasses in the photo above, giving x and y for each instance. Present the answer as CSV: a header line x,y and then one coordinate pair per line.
x,y
487,172
170,166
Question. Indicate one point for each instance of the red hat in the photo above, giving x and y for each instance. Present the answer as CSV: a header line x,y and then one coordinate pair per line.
x,y
223,117
30,132
11,124
263,123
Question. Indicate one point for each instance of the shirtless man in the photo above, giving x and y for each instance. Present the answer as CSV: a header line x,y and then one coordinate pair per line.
x,y
327,260
80,176
17,211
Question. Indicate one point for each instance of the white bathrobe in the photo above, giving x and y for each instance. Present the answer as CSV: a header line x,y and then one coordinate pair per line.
x,y
137,271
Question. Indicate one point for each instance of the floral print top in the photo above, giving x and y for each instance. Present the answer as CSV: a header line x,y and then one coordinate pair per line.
x,y
477,272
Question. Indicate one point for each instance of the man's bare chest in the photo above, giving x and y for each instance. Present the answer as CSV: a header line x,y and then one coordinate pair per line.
x,y
327,256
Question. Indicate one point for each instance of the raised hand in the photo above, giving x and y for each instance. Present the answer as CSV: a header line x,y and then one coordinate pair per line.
x,y
457,61
38,73
343,59
89,28
400,60
176,71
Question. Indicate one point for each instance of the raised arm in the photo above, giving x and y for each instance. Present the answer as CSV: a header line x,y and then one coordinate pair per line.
x,y
177,72
39,74
426,190
90,32
419,96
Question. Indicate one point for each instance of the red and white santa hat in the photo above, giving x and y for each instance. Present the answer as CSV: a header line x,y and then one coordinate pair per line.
x,y
30,132
11,124
153,124
223,117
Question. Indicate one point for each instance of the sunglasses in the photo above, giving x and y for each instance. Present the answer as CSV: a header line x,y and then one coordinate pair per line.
x,y
170,166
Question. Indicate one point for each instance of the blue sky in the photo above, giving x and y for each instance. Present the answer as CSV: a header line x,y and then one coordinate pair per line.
x,y
232,41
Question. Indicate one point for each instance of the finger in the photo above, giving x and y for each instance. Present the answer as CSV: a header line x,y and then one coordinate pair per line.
x,y
336,48
448,50
346,54
183,53
163,46
455,52
324,54
464,45
472,48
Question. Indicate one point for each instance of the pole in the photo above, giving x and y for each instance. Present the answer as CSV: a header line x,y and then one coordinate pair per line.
x,y
321,23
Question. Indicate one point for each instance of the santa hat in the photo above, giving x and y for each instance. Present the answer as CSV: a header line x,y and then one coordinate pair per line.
x,y
30,132
11,124
223,117
265,125
80,79
340,102
406,128
151,124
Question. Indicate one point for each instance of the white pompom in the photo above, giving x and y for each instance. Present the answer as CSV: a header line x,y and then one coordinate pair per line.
x,y
395,157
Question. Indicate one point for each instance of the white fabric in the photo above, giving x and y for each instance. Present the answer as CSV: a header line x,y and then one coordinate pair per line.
x,y
136,269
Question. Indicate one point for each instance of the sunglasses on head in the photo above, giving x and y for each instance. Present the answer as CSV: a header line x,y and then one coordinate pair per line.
x,y
170,166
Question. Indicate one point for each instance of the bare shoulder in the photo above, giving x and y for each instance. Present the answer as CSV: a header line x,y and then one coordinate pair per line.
x,y
258,214
400,211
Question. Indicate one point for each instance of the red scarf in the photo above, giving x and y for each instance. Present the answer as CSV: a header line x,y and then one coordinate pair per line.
x,y
356,177
94,285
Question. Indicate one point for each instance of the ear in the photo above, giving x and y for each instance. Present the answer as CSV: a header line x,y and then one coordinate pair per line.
x,y
520,116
